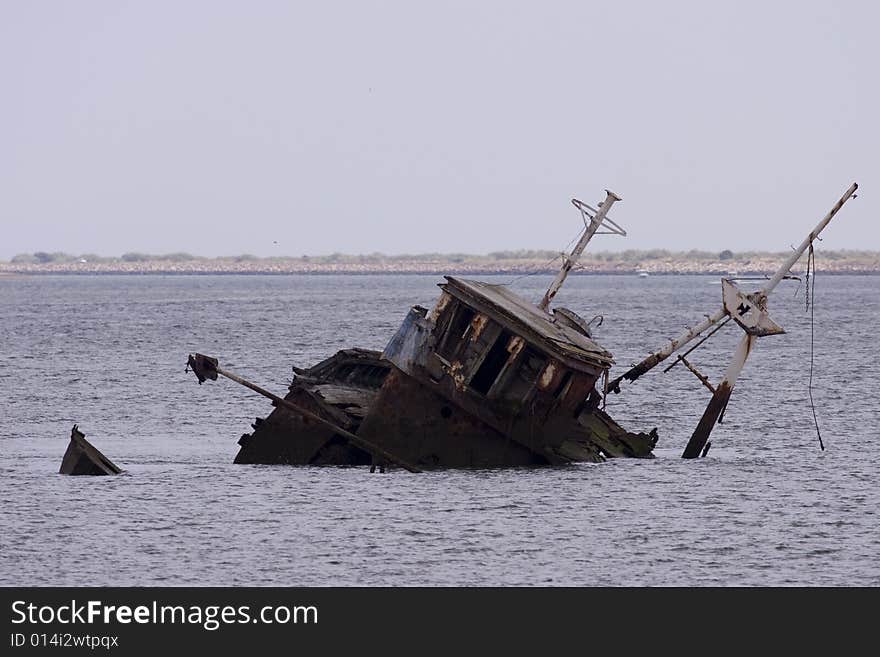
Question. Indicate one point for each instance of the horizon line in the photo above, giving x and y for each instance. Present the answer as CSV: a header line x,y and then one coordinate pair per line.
x,y
46,257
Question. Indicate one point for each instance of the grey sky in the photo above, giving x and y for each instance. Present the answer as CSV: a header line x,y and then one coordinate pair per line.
x,y
225,127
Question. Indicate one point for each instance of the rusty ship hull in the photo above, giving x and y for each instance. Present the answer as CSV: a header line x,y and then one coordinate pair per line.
x,y
486,379
489,379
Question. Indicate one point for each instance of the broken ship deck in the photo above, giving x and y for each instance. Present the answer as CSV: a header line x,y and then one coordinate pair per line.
x,y
486,379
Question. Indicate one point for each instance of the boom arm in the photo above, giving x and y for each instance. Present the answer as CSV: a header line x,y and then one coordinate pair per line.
x,y
658,356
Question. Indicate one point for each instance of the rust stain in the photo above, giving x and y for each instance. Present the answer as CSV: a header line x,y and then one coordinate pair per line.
x,y
707,422
456,372
478,325
547,375
515,345
440,306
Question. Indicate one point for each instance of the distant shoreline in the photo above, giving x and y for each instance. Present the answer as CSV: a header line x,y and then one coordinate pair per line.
x,y
755,266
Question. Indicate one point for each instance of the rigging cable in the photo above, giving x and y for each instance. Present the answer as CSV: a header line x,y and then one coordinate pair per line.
x,y
542,270
810,303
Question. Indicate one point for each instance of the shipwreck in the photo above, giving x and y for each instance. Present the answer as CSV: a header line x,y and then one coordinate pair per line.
x,y
487,379
83,458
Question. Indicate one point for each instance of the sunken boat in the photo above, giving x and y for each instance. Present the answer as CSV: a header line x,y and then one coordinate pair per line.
x,y
488,379
484,379
83,458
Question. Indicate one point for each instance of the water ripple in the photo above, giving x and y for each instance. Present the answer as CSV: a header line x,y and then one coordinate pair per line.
x,y
765,508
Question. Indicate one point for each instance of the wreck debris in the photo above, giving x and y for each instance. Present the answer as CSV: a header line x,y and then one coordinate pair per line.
x,y
749,311
489,379
83,458
341,388
206,367
484,379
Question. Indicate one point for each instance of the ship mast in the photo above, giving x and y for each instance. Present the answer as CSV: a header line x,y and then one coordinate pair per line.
x,y
747,310
655,358
750,312
597,219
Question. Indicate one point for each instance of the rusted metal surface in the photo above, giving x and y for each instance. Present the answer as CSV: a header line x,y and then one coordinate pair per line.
x,y
524,318
290,438
548,375
657,357
441,305
83,458
341,388
499,402
515,350
363,369
702,377
719,399
375,450
204,367
612,440
572,320
429,429
478,325
484,379
680,357
488,379
516,375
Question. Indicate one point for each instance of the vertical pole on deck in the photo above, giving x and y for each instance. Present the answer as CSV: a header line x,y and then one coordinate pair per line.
x,y
570,260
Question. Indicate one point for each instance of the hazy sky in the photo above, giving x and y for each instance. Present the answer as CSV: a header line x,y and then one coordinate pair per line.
x,y
294,128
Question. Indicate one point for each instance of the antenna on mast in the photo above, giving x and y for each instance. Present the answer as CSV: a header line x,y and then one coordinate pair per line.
x,y
593,220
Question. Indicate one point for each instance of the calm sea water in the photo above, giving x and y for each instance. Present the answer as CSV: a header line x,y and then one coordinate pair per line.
x,y
766,507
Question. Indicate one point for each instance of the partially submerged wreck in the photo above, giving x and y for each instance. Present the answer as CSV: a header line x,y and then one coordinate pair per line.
x,y
83,458
485,379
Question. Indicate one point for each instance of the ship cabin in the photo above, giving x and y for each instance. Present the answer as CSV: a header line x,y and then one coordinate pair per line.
x,y
500,347
491,369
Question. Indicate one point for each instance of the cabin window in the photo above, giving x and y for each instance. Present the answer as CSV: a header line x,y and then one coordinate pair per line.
x,y
531,365
563,386
458,324
492,364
